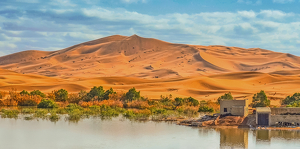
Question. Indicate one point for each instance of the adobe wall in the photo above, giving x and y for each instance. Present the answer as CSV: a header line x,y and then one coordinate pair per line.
x,y
229,104
278,111
284,118
239,111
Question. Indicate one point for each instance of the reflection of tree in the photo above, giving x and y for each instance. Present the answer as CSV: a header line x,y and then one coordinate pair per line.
x,y
233,138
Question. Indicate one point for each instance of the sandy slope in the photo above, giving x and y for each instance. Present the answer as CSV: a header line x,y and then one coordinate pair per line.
x,y
155,67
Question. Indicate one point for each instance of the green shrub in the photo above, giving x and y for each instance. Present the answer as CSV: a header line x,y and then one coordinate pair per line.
x,y
61,111
129,114
41,113
47,104
75,115
53,116
205,109
27,111
9,113
158,111
71,107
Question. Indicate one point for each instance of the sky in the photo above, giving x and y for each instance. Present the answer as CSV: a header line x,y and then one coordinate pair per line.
x,y
57,24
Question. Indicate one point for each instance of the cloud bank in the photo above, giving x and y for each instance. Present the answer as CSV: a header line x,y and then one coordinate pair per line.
x,y
36,26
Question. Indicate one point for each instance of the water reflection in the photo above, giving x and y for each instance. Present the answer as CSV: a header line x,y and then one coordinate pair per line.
x,y
233,138
129,134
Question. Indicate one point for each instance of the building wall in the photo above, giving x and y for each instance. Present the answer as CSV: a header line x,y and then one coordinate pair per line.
x,y
239,111
278,111
284,118
229,104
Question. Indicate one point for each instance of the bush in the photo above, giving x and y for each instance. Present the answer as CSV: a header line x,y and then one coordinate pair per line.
x,y
41,113
226,96
74,98
53,116
190,110
260,100
27,111
61,95
47,104
205,109
75,115
71,107
137,104
38,92
9,113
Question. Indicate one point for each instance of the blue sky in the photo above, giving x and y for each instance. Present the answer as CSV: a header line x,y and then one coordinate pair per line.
x,y
53,25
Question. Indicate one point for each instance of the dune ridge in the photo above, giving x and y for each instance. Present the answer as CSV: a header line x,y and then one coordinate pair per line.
x,y
156,67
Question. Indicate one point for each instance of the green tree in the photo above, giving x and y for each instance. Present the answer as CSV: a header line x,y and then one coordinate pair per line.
x,y
61,95
24,93
193,101
291,99
96,92
107,93
178,101
38,92
260,100
132,94
226,96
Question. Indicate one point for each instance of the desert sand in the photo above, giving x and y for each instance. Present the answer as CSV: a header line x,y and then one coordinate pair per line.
x,y
155,68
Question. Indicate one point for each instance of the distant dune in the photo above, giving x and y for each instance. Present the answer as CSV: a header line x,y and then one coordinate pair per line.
x,y
155,67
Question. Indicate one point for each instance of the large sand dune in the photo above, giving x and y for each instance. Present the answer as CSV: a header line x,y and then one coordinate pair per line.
x,y
155,67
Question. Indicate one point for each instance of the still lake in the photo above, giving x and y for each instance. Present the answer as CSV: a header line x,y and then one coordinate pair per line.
x,y
119,133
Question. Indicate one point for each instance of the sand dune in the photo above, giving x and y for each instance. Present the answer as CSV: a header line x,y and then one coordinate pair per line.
x,y
155,67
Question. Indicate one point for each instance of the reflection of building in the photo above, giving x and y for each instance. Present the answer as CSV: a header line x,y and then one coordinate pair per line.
x,y
263,135
234,107
233,138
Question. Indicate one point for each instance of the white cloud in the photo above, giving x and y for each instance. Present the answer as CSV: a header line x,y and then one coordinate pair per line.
x,y
247,14
133,1
283,1
265,29
276,14
250,2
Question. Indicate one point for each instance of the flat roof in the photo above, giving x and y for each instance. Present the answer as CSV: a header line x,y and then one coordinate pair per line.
x,y
263,110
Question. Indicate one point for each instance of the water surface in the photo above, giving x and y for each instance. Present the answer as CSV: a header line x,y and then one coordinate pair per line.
x,y
95,133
